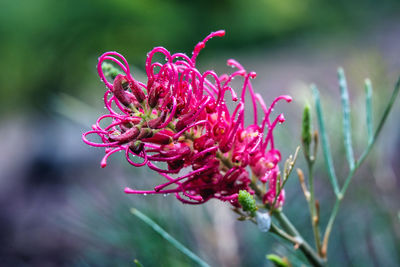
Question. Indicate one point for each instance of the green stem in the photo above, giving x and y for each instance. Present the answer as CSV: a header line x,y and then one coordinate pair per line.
x,y
329,226
313,212
291,234
257,190
308,251
279,232
168,237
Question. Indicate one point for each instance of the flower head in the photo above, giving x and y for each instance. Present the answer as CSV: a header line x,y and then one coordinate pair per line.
x,y
180,118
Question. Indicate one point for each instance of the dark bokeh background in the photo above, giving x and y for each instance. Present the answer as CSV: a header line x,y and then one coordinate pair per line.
x,y
59,208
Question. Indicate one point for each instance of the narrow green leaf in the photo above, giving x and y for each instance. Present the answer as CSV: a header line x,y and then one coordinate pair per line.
x,y
137,263
382,121
277,261
168,237
325,142
346,117
368,104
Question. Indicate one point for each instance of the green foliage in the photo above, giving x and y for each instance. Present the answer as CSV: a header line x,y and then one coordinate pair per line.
x,y
110,71
51,46
278,261
346,117
137,263
368,107
168,237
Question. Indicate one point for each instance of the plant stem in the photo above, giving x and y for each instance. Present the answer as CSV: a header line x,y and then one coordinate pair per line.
x,y
356,166
329,226
308,251
290,233
313,212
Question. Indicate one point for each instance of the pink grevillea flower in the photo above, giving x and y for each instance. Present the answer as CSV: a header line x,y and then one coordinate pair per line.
x,y
179,125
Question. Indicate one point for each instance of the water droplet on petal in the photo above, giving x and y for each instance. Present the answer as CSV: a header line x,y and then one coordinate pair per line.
x,y
145,194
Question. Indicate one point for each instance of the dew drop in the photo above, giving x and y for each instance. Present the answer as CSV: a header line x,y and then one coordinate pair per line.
x,y
145,194
263,221
165,195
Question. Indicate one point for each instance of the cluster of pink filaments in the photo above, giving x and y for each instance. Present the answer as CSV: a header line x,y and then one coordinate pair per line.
x,y
180,119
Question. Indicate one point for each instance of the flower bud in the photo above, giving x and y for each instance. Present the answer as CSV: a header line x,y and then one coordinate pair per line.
x,y
136,146
175,149
247,201
127,136
225,145
119,91
159,138
145,133
175,164
203,142
137,91
154,123
154,93
306,135
185,120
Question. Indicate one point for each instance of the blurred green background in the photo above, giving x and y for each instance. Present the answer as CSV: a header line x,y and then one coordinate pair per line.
x,y
61,209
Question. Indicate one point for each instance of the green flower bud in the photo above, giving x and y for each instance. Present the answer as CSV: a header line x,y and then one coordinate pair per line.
x,y
247,201
306,135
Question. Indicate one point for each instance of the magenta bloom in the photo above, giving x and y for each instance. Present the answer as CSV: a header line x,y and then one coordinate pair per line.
x,y
179,125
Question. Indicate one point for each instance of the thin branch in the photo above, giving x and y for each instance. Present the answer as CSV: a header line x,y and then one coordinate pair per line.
x,y
308,251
